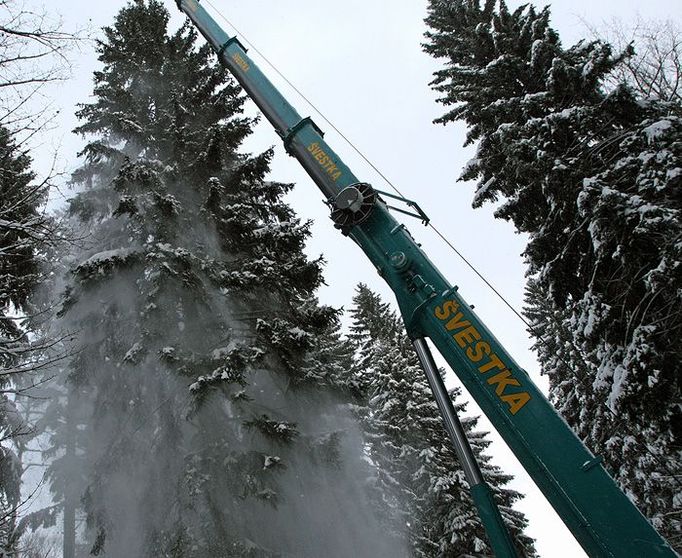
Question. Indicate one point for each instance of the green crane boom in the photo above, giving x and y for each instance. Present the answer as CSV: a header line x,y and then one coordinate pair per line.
x,y
596,511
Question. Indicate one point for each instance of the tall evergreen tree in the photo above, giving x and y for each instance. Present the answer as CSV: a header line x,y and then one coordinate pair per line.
x,y
592,175
216,423
18,268
22,230
418,469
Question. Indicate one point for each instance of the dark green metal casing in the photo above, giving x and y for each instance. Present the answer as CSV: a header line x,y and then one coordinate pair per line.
x,y
599,515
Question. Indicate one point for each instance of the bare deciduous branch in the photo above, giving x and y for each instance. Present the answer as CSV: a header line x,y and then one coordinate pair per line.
x,y
655,70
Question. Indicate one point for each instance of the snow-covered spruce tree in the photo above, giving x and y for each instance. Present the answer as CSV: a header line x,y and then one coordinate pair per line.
x,y
418,470
22,228
18,268
594,176
216,427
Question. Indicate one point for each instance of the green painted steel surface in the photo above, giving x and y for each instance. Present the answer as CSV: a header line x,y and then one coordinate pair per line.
x,y
599,515
500,539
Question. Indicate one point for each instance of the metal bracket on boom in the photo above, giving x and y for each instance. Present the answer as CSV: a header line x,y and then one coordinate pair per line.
x,y
353,205
226,44
288,136
419,212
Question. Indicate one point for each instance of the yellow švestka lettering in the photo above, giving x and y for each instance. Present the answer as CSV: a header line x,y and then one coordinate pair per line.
x,y
479,352
239,60
325,161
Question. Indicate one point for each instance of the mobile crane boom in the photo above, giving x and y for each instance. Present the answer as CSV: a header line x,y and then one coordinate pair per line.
x,y
573,480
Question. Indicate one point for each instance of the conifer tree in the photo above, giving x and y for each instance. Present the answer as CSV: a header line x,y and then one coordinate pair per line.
x,y
418,469
592,175
216,420
22,227
17,267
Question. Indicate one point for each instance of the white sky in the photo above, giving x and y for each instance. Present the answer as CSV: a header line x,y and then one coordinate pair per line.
x,y
360,61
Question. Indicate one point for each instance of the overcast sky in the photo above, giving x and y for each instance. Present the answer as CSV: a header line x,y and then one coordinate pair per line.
x,y
360,61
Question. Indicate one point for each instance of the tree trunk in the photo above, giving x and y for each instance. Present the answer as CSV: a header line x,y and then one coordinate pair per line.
x,y
70,497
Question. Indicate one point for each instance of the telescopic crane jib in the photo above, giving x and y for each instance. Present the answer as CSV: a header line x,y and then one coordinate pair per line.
x,y
600,516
